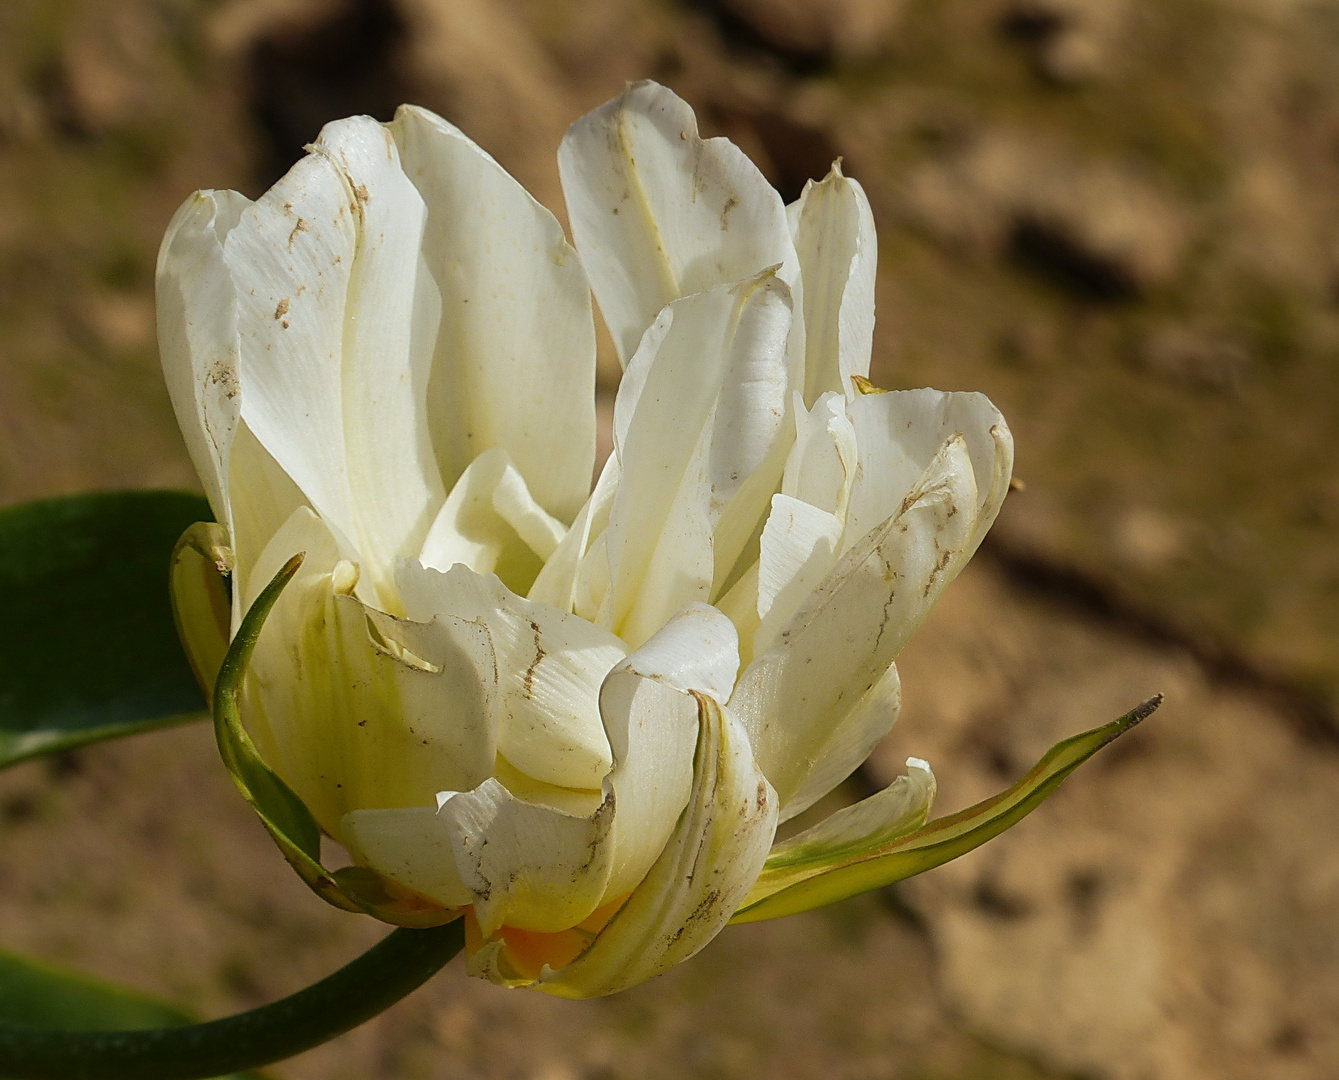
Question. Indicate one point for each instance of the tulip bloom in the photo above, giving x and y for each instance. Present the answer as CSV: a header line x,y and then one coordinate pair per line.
x,y
573,716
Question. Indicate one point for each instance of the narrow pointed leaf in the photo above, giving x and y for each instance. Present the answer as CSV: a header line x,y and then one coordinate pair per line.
x,y
39,996
788,886
91,651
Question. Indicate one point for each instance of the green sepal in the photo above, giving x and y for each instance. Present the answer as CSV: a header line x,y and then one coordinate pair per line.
x,y
91,650
39,996
282,812
789,886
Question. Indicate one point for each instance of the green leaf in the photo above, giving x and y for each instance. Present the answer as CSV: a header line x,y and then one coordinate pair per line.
x,y
91,651
39,996
788,886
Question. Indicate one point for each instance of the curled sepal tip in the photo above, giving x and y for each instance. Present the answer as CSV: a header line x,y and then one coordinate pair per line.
x,y
283,814
794,881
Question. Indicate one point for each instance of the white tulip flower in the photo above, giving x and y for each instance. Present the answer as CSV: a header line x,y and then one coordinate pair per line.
x,y
574,716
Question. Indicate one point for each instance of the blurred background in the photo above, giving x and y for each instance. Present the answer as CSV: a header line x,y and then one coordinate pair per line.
x,y
1118,218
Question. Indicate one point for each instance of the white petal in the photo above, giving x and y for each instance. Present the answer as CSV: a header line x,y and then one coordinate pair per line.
x,y
898,434
197,334
515,357
491,524
898,809
850,742
550,668
740,606
334,363
526,864
803,535
356,709
659,213
557,582
842,640
651,719
539,530
821,468
838,253
411,845
799,546
717,850
697,650
536,863
682,445
261,497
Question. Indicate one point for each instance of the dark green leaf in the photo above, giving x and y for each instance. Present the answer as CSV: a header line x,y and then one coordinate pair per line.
x,y
90,648
38,996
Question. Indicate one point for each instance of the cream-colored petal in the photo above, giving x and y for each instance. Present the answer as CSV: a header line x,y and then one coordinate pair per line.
x,y
822,465
740,606
850,742
803,535
838,253
526,864
550,668
557,582
799,547
899,433
719,845
902,807
842,639
411,845
704,404
261,497
651,717
696,651
898,810
334,361
197,334
536,862
491,524
359,710
659,213
514,364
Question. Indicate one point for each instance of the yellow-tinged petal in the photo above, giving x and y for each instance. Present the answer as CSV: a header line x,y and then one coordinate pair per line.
x,y
200,565
491,524
513,365
847,632
283,813
870,825
716,851
659,213
356,709
550,665
838,252
198,334
336,318
697,414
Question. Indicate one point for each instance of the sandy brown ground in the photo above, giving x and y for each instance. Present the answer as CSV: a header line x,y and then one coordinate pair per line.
x,y
1117,217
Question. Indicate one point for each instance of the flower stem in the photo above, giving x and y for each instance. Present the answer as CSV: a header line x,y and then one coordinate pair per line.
x,y
399,964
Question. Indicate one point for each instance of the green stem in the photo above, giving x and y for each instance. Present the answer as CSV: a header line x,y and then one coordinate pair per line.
x,y
401,963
